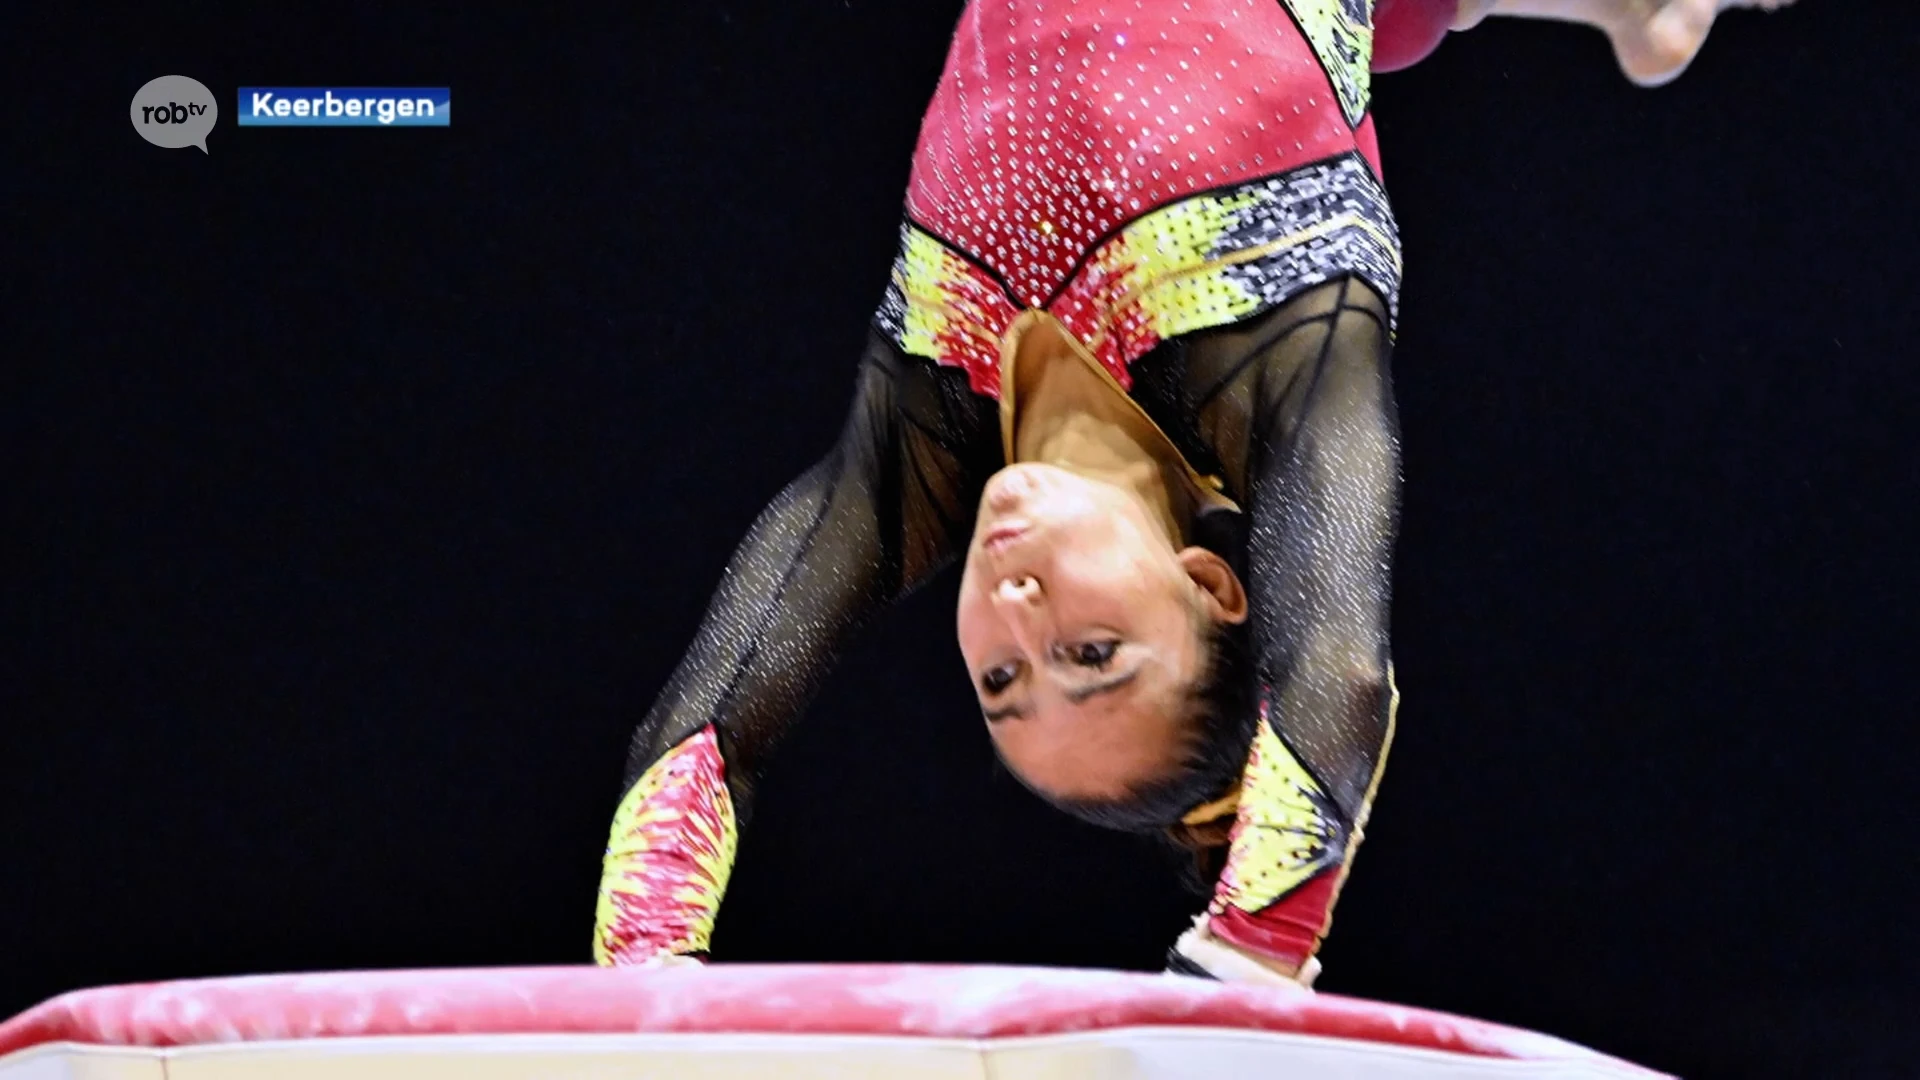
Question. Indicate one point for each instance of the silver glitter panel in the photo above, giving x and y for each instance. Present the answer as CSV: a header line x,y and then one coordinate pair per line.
x,y
1342,196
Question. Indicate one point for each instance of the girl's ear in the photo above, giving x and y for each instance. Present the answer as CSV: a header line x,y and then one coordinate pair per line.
x,y
1220,587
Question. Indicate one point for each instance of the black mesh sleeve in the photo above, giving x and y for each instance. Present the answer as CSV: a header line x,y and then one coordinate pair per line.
x,y
890,505
1296,407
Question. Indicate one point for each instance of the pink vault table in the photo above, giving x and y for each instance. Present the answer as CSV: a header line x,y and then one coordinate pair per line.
x,y
802,1021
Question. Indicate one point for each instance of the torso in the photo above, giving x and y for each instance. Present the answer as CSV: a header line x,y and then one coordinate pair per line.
x,y
1139,169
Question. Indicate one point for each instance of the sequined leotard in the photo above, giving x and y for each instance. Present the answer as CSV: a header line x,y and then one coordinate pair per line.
x,y
1140,169
1192,187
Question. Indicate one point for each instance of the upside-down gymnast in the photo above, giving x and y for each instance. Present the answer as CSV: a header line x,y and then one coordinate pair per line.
x,y
1132,371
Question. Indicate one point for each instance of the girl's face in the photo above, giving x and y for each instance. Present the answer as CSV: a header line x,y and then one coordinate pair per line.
x,y
1082,626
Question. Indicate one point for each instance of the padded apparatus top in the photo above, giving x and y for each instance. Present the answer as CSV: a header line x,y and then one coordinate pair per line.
x,y
814,1009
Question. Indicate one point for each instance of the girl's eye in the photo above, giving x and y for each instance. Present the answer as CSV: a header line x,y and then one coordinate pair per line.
x,y
1093,654
997,679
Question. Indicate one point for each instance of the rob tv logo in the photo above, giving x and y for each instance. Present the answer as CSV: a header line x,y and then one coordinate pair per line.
x,y
174,111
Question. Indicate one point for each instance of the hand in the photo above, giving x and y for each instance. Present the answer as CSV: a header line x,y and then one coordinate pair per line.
x,y
668,960
655,960
672,960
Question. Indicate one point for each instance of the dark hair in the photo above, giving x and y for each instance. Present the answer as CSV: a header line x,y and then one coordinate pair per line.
x,y
1222,711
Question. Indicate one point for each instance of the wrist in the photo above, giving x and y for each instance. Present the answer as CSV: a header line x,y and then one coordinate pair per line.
x,y
1228,962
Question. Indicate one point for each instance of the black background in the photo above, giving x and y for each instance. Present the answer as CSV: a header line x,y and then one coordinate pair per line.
x,y
373,480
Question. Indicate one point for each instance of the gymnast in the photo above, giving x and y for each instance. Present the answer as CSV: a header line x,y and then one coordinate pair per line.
x,y
1131,373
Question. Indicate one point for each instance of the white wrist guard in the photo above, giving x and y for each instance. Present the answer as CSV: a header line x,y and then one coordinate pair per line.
x,y
1218,960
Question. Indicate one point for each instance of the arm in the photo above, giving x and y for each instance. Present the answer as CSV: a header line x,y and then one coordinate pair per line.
x,y
1309,436
878,515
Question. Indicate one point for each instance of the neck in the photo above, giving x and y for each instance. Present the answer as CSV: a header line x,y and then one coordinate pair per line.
x,y
1069,418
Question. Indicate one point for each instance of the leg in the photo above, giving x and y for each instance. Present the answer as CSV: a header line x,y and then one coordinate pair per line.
x,y
1653,40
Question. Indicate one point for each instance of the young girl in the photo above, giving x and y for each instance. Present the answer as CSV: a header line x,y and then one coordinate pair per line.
x,y
1132,371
